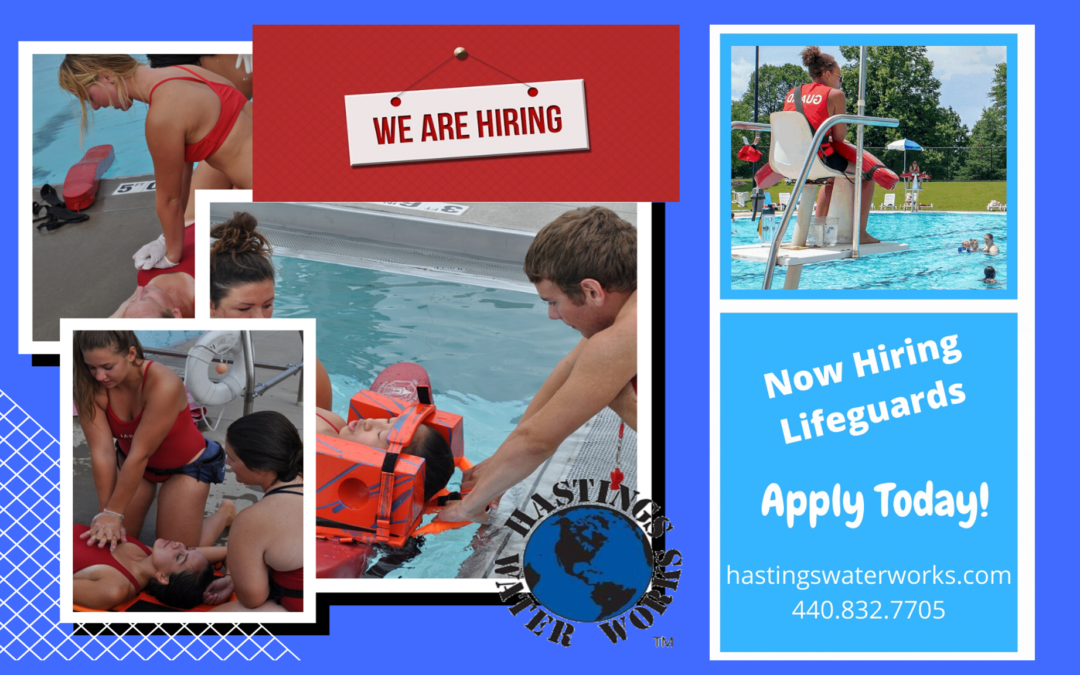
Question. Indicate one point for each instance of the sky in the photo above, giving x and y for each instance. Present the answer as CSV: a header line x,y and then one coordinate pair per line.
x,y
966,73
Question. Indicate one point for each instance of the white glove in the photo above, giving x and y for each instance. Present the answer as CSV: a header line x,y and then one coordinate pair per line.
x,y
153,256
246,60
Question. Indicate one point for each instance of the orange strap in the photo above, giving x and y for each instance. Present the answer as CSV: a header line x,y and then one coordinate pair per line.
x,y
435,527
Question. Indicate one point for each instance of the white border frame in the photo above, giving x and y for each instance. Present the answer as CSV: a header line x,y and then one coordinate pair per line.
x,y
27,50
67,614
1023,307
646,387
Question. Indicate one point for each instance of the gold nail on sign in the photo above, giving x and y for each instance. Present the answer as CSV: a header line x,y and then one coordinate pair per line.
x,y
460,53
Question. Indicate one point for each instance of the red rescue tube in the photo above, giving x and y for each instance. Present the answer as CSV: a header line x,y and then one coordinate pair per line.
x,y
338,560
872,166
400,381
81,184
766,177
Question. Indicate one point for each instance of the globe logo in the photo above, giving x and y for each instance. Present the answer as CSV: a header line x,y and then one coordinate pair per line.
x,y
588,563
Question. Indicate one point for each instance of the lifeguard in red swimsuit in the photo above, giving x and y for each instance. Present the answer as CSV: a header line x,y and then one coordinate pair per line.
x,y
143,442
195,116
821,99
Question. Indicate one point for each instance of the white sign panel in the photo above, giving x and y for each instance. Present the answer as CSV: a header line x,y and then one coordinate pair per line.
x,y
467,122
132,188
434,207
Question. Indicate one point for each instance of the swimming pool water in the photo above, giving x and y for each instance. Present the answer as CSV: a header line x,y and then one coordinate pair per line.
x,y
487,352
56,129
164,338
932,261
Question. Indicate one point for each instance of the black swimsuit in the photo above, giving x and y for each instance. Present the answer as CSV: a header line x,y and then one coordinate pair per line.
x,y
284,489
284,596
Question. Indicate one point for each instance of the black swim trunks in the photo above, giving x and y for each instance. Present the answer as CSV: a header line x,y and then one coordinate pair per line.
x,y
208,468
836,162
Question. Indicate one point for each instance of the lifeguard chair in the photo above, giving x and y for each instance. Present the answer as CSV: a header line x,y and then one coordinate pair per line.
x,y
793,153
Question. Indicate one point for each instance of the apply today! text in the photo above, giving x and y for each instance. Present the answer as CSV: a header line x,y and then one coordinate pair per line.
x,y
857,421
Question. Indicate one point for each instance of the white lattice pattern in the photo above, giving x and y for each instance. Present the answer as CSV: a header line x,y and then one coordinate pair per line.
x,y
30,567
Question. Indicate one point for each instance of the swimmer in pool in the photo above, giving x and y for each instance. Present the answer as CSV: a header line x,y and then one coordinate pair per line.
x,y
991,248
584,266
990,275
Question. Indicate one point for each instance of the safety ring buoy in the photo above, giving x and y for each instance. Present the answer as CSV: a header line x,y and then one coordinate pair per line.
x,y
201,358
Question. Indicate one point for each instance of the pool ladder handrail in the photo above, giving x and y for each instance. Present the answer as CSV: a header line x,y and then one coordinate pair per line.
x,y
253,388
819,138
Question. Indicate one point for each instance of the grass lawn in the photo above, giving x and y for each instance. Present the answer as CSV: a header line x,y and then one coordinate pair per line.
x,y
945,196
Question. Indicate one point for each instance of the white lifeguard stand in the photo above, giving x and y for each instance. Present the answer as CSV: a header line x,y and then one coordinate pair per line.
x,y
912,181
793,153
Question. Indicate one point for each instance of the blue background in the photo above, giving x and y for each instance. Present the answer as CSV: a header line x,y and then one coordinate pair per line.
x,y
380,637
914,38
958,447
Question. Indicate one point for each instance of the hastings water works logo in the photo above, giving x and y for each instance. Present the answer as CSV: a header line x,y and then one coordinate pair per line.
x,y
588,560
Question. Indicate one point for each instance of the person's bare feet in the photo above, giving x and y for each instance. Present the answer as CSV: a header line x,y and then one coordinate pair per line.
x,y
865,238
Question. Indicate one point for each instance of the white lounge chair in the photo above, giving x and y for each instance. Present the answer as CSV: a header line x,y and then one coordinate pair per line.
x,y
909,201
995,205
890,201
740,198
785,200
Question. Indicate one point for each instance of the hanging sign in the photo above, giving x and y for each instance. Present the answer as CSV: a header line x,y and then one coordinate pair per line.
x,y
506,119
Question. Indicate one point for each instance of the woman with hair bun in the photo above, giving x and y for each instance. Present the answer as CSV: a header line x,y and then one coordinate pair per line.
x,y
241,270
820,100
199,117
266,551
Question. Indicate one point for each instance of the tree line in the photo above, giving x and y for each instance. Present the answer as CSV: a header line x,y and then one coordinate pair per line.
x,y
900,83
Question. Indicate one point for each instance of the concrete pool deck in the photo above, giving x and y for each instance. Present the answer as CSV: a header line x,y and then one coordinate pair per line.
x,y
85,270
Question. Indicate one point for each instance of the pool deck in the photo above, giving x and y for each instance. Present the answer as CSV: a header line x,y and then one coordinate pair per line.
x,y
525,217
85,270
269,347
803,255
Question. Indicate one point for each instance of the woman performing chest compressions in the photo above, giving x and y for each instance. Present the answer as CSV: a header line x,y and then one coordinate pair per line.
x,y
236,69
165,293
198,117
124,398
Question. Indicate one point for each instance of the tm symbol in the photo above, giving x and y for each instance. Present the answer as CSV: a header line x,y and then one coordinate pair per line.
x,y
664,641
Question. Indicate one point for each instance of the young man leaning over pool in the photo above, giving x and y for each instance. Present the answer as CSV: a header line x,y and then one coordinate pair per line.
x,y
584,265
